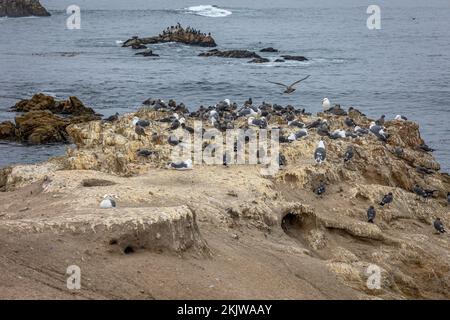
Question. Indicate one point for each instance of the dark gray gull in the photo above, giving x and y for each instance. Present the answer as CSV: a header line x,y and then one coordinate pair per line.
x,y
371,214
140,123
140,131
261,123
439,226
387,199
320,154
349,153
145,153
320,189
381,121
296,123
361,131
400,118
349,122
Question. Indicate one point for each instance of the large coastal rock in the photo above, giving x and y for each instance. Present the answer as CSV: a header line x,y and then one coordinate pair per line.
x,y
22,8
180,35
261,236
40,122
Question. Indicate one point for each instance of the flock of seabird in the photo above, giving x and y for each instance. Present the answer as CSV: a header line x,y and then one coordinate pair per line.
x,y
223,116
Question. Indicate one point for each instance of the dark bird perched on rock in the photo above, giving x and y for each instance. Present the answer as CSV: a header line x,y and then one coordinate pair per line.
x,y
379,132
337,110
439,226
361,131
381,121
140,131
173,141
424,170
290,88
323,129
448,198
261,123
349,154
320,189
425,193
145,153
297,135
371,214
296,123
320,154
284,139
188,129
182,165
175,125
314,124
398,151
112,118
387,199
425,148
349,122
170,119
140,123
282,160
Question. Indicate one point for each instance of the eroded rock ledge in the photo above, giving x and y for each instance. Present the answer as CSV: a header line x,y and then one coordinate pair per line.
x,y
22,8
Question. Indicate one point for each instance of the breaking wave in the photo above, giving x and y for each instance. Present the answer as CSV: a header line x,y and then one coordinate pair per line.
x,y
208,11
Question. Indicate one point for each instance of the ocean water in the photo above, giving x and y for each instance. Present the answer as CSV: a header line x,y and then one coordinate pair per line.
x,y
404,68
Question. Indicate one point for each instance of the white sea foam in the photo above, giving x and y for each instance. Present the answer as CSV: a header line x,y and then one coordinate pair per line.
x,y
119,42
208,11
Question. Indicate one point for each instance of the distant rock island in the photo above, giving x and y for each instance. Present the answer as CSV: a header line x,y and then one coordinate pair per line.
x,y
22,8
176,33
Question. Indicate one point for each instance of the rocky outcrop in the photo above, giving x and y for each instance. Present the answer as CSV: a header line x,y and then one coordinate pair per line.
x,y
22,8
238,54
295,58
259,60
40,122
179,34
147,53
269,49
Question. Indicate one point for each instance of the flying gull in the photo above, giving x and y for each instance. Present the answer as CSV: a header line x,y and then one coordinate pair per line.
x,y
289,89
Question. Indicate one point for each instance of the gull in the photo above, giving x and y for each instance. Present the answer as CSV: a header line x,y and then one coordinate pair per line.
x,y
326,103
289,89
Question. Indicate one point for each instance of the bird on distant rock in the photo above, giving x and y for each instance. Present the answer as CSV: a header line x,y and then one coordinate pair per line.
x,y
378,131
112,118
315,124
424,170
140,123
188,129
387,199
320,189
145,153
108,202
349,153
261,123
181,165
381,121
320,154
425,193
361,131
439,226
248,103
338,133
295,123
425,148
326,103
448,198
350,122
297,135
400,118
290,88
282,160
371,214
140,131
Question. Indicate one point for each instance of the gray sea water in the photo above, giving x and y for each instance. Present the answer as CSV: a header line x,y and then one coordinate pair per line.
x,y
403,68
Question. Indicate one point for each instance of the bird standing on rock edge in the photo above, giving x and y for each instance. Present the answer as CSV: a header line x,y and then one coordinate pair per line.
x,y
371,214
320,154
439,226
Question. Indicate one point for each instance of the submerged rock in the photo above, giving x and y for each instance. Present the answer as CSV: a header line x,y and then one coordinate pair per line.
x,y
259,60
147,53
239,54
295,58
22,8
269,49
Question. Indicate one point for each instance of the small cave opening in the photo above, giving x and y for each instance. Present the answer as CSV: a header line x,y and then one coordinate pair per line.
x,y
298,226
128,250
